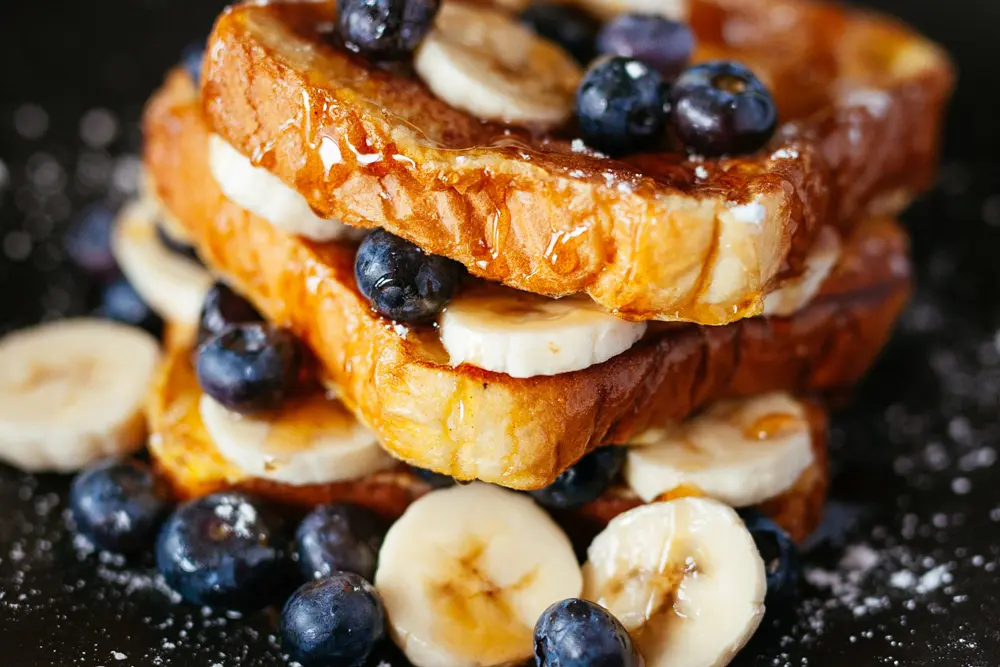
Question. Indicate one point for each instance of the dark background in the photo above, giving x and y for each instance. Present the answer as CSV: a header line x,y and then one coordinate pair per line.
x,y
905,572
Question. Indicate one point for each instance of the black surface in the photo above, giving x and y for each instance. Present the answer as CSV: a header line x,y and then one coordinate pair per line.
x,y
915,487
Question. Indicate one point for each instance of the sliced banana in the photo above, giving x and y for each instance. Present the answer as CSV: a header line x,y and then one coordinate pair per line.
x,y
524,335
795,294
742,452
466,572
483,62
173,285
265,195
71,392
684,577
314,440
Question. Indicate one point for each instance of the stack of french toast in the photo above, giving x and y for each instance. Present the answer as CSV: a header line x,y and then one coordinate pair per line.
x,y
525,278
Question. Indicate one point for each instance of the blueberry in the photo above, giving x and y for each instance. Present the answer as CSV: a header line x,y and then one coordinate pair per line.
x,y
584,481
224,550
781,556
621,105
341,537
721,108
434,479
249,367
578,633
401,281
119,505
222,307
175,246
120,302
662,44
191,59
88,240
334,621
568,26
385,29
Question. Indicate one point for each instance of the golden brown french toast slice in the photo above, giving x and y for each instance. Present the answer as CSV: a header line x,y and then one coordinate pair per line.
x,y
185,454
520,433
655,235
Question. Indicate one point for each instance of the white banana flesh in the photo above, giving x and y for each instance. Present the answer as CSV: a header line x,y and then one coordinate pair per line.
x,y
466,572
313,440
742,452
265,195
71,392
796,293
524,335
173,285
685,579
483,62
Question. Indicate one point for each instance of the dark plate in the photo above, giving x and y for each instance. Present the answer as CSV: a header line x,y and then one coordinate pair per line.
x,y
906,570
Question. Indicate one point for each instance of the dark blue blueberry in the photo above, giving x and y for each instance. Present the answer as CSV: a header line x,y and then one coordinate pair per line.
x,y
224,550
621,105
721,108
175,246
88,240
662,44
385,29
401,281
578,633
342,537
569,27
119,505
191,59
780,555
336,621
221,308
434,479
584,481
249,367
120,302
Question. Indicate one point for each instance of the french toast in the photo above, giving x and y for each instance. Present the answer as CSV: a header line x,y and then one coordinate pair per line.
x,y
521,433
185,454
654,235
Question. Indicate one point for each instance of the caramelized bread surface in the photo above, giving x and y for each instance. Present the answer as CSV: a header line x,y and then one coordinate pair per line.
x,y
521,433
652,236
185,455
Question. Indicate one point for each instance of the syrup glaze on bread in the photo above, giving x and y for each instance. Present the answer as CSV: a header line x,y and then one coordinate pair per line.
x,y
655,235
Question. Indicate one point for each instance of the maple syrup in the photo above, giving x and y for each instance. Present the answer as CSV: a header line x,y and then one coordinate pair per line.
x,y
772,425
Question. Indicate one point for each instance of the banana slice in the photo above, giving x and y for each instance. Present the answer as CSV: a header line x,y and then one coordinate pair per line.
x,y
173,285
314,440
265,195
524,335
794,294
740,452
71,392
481,61
466,572
684,577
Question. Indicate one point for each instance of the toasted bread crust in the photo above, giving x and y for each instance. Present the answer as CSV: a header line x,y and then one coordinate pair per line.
x,y
189,461
471,423
651,236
